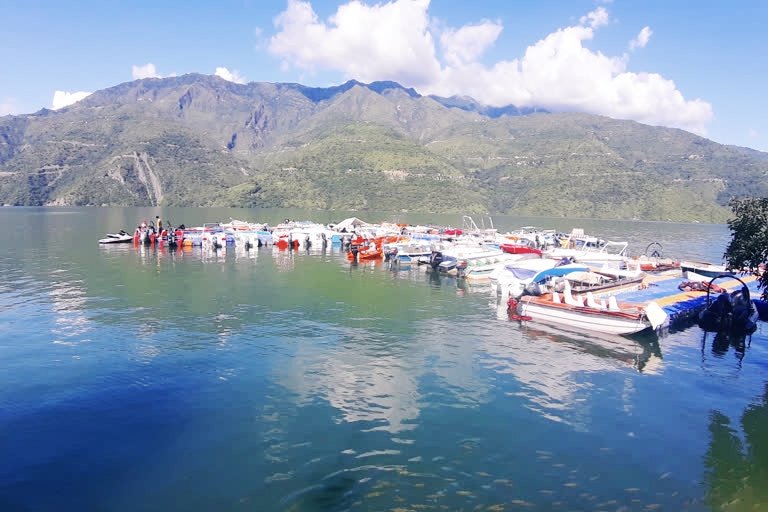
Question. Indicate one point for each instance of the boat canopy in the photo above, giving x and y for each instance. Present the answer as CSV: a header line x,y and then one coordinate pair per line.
x,y
559,271
349,224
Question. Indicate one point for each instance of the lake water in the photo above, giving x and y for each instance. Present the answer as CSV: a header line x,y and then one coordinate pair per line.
x,y
143,379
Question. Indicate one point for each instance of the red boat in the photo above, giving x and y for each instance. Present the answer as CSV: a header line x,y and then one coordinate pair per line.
x,y
519,248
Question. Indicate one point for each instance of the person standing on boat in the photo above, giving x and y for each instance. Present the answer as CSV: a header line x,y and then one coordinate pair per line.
x,y
159,224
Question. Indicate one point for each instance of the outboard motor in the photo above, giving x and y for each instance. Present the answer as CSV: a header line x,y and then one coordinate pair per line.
x,y
533,289
745,314
718,315
435,259
732,313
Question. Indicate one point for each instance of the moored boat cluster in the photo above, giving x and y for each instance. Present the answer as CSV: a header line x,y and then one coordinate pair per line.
x,y
570,279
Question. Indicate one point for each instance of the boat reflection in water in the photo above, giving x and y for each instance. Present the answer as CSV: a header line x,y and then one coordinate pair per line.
x,y
295,380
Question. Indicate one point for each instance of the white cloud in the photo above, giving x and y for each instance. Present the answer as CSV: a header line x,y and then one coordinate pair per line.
x,y
63,99
596,18
366,42
231,76
148,70
397,41
642,38
469,42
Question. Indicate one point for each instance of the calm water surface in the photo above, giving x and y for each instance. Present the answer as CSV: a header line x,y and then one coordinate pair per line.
x,y
142,379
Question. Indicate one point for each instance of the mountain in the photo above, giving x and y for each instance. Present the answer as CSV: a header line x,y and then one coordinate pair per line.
x,y
472,105
198,140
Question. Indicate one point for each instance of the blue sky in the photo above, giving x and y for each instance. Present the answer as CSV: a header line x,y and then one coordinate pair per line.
x,y
700,66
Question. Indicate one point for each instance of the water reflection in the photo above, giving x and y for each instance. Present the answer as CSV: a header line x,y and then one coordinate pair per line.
x,y
296,381
68,304
379,390
377,378
556,367
641,351
737,459
720,344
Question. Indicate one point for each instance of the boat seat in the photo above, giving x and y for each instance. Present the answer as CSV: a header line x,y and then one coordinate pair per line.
x,y
591,301
612,304
568,298
556,297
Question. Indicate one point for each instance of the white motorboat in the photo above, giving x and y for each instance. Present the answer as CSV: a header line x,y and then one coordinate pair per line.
x,y
708,270
408,251
484,267
117,238
513,278
609,316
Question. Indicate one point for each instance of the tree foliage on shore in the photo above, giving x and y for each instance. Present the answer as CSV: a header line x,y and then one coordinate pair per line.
x,y
748,249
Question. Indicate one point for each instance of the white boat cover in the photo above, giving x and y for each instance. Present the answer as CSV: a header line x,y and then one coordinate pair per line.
x,y
350,224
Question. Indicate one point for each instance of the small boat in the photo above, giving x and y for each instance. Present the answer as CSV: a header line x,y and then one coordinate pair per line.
x,y
514,278
203,235
367,251
653,260
486,268
408,251
171,238
605,282
609,317
447,259
520,247
117,238
361,249
709,270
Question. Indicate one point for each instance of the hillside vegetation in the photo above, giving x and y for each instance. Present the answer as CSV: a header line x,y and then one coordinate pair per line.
x,y
199,140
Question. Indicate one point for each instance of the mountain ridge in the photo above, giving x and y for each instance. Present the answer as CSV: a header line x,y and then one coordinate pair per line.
x,y
200,140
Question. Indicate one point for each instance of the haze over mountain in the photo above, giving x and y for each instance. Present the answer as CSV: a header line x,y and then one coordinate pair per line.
x,y
198,140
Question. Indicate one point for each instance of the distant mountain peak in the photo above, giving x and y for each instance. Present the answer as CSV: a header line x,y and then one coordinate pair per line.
x,y
383,85
317,94
470,104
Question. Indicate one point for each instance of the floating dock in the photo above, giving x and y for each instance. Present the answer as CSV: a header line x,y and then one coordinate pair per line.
x,y
680,305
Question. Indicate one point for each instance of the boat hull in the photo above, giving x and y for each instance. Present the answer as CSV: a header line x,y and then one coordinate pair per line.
x,y
705,269
519,249
116,239
608,322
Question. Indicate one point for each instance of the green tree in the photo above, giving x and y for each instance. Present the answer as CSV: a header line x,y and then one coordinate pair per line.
x,y
748,249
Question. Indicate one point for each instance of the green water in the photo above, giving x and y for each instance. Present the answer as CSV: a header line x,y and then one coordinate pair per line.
x,y
144,379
